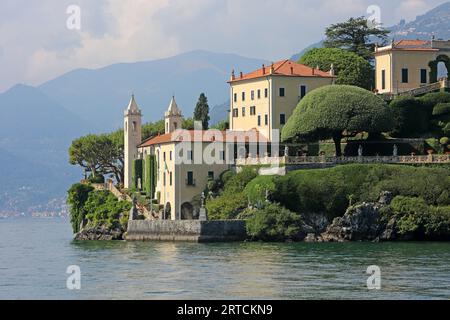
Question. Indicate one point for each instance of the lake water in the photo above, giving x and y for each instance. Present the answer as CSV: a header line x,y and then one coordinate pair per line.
x,y
34,255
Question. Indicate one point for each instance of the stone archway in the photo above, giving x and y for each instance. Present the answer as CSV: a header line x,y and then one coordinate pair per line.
x,y
434,67
167,212
187,211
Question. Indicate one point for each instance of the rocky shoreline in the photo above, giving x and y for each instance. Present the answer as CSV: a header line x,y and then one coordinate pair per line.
x,y
102,233
361,222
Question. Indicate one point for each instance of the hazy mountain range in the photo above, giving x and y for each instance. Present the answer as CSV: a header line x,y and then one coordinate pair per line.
x,y
37,124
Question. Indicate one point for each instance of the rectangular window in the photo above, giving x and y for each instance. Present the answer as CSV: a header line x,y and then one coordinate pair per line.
x,y
243,111
282,92
282,118
266,119
383,79
259,120
253,95
235,112
266,93
405,75
243,96
190,178
211,175
235,97
170,155
252,111
302,91
164,178
259,93
423,75
164,156
222,155
189,154
170,178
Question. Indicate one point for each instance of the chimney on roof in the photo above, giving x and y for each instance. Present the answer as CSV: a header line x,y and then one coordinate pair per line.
x,y
263,69
241,74
272,68
292,70
313,71
232,75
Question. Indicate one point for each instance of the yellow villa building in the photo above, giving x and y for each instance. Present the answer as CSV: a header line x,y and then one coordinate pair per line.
x,y
175,167
264,99
407,65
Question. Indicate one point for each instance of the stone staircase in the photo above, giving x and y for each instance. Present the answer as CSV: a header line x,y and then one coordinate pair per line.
x,y
442,84
109,185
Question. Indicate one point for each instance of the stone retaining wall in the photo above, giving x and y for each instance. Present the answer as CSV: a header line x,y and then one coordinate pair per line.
x,y
186,230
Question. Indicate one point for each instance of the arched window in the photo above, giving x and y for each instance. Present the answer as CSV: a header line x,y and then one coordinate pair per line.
x,y
134,126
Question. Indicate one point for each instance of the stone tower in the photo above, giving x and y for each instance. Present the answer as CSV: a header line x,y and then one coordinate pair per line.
x,y
133,136
173,117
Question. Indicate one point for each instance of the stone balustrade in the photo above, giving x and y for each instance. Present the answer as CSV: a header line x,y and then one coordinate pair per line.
x,y
291,160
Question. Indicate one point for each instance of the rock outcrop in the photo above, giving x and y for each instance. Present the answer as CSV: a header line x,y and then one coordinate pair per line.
x,y
362,222
100,233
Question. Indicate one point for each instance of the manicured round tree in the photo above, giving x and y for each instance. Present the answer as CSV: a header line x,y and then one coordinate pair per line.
x,y
335,112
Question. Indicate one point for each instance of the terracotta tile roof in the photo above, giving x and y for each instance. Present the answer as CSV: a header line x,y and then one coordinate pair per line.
x,y
408,45
202,136
283,68
412,43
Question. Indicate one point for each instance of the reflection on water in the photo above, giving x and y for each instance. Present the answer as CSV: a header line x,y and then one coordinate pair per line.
x,y
35,254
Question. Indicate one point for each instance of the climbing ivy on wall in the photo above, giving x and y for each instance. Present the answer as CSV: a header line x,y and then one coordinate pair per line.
x,y
150,175
136,172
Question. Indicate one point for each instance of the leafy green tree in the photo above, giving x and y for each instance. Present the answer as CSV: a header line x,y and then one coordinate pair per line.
x,y
201,112
349,68
188,124
84,152
356,35
99,154
152,129
222,125
337,111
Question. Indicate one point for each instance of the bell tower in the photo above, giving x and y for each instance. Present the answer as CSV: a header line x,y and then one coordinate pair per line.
x,y
173,117
133,135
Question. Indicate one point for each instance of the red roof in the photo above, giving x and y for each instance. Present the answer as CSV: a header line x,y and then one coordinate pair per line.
x,y
286,68
203,136
409,45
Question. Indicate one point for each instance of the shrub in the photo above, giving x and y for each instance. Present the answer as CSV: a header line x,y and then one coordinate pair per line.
x,y
274,223
256,189
99,178
410,213
232,200
414,216
226,207
411,117
328,190
432,99
441,109
103,208
444,141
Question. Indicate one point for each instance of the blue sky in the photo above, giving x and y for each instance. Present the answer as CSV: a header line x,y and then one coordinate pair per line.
x,y
36,45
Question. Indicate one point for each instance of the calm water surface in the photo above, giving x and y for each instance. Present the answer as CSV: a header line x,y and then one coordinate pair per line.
x,y
34,255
